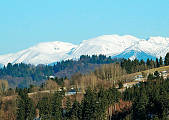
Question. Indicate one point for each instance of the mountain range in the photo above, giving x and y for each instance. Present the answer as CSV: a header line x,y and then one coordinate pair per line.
x,y
116,46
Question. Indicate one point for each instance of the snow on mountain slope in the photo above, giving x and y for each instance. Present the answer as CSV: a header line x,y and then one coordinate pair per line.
x,y
43,53
154,46
126,46
107,44
132,54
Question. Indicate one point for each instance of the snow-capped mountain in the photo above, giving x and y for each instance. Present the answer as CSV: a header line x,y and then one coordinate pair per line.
x,y
43,53
126,46
107,44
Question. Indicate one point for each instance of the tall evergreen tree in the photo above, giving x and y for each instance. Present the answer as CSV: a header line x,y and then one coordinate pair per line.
x,y
76,111
139,107
45,107
89,105
148,63
166,61
157,63
152,64
25,107
57,106
68,107
161,61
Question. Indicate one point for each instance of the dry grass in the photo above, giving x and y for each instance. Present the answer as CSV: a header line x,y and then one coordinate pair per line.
x,y
164,68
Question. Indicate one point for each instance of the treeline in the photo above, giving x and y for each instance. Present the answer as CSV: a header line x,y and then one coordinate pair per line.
x,y
22,75
26,70
106,76
150,100
132,66
85,59
92,107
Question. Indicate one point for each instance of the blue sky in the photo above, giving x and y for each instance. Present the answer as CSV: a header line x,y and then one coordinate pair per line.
x,y
24,23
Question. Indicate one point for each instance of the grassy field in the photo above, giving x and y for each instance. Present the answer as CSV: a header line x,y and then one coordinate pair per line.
x,y
130,77
164,68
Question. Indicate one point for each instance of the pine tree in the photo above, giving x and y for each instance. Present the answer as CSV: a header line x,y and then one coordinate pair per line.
x,y
139,107
157,63
57,105
25,107
68,107
88,105
166,61
45,107
148,63
163,104
76,111
161,61
152,64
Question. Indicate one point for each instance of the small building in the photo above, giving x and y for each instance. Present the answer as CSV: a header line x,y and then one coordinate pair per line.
x,y
164,74
130,84
52,77
71,92
138,78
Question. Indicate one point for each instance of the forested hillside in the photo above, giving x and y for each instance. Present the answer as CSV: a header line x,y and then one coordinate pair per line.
x,y
148,100
22,75
94,95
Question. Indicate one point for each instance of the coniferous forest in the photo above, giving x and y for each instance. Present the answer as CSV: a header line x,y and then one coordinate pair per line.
x,y
23,75
96,95
149,100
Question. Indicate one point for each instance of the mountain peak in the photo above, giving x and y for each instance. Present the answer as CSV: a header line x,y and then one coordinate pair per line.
x,y
110,45
53,47
42,53
159,40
